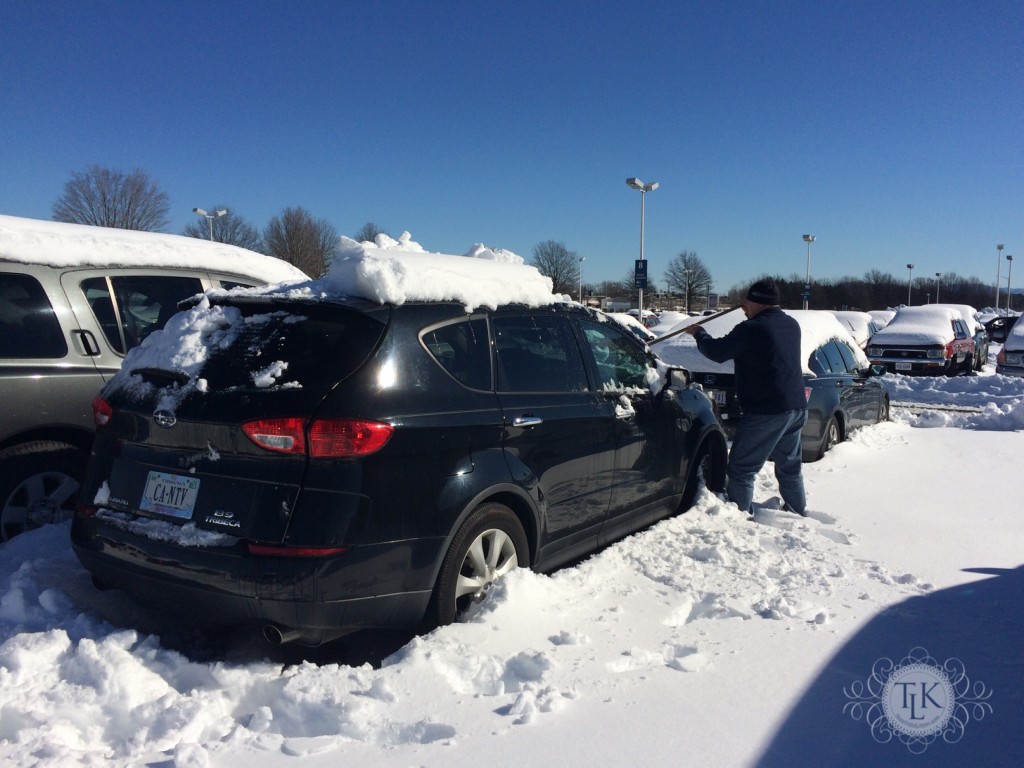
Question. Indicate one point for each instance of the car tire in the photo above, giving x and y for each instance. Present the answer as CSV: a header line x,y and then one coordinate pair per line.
x,y
39,486
832,437
489,544
702,468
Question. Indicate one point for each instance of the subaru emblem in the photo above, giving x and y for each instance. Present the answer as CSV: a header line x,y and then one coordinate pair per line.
x,y
165,419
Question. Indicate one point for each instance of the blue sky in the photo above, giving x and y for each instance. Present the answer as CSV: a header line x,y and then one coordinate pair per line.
x,y
890,130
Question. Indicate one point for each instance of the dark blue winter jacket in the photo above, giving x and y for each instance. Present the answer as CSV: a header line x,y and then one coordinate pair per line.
x,y
765,351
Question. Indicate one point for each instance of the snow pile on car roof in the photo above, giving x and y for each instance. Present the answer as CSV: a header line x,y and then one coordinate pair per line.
x,y
918,325
57,244
392,271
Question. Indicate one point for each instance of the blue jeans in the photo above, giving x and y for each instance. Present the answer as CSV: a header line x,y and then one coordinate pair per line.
x,y
760,437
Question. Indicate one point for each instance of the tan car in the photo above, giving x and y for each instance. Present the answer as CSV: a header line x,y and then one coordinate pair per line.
x,y
73,300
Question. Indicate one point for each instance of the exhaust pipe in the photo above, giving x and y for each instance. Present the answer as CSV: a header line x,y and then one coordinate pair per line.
x,y
276,635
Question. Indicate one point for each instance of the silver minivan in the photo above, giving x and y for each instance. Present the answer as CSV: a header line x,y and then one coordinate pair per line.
x,y
73,300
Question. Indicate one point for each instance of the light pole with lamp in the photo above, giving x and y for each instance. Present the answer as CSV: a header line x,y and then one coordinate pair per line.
x,y
1009,269
910,281
999,263
210,216
807,280
582,259
635,183
938,275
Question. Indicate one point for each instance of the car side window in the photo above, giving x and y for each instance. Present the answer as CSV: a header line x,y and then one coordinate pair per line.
x,y
227,285
621,363
130,307
538,353
849,359
462,348
818,363
835,359
28,326
960,329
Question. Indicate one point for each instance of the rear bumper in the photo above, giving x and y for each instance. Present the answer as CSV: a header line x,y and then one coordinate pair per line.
x,y
381,586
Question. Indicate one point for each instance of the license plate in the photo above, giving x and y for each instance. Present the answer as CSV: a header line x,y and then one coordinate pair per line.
x,y
171,495
720,396
904,366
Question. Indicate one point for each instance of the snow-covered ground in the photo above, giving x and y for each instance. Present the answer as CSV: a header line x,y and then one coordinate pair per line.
x,y
705,639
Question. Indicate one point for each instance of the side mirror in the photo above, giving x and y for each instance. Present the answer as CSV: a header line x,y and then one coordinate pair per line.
x,y
679,378
877,370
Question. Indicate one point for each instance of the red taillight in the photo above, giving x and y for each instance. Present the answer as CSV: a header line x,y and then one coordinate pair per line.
x,y
807,394
286,551
85,510
343,438
102,413
328,438
281,435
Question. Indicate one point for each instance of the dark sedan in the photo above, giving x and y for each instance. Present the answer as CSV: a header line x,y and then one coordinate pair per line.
x,y
843,390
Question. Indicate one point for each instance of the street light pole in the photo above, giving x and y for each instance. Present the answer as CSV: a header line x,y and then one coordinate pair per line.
x,y
910,281
687,273
635,183
938,275
210,217
582,259
807,280
999,263
1009,269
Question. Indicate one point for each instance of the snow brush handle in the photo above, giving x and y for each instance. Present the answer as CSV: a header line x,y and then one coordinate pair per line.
x,y
699,322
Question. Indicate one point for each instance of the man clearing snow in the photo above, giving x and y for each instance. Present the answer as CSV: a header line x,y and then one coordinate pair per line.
x,y
765,349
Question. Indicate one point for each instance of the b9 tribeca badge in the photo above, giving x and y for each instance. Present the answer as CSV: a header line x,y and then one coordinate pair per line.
x,y
222,518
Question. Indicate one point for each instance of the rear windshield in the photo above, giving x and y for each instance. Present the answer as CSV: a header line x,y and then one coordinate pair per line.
x,y
303,347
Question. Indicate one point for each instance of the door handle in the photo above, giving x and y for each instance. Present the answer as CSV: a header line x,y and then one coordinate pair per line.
x,y
89,346
527,420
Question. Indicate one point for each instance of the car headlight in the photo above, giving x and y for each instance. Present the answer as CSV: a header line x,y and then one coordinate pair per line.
x,y
1015,359
936,353
874,352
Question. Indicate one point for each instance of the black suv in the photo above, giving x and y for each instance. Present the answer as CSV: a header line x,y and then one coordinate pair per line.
x,y
332,464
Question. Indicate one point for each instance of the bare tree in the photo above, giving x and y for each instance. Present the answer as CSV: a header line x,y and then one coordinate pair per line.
x,y
229,228
106,198
368,233
301,240
688,275
559,263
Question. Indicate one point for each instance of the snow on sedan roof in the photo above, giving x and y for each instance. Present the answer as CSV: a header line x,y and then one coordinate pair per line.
x,y
968,313
918,325
816,328
392,271
56,244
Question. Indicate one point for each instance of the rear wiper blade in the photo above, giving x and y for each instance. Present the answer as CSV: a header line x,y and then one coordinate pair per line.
x,y
161,377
